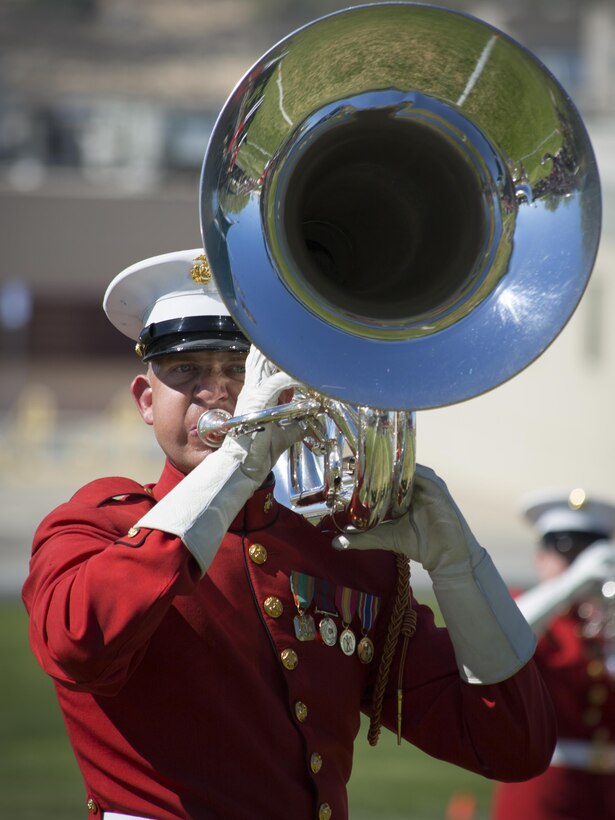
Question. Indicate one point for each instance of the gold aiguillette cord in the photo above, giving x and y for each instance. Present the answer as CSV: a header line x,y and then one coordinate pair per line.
x,y
402,621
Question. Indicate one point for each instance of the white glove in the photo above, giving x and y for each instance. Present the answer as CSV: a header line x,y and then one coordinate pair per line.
x,y
202,506
585,575
492,641
258,452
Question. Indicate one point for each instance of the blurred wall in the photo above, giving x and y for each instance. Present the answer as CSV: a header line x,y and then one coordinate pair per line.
x,y
105,111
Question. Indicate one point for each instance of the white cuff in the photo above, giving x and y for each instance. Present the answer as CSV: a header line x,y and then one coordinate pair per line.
x,y
542,603
201,508
491,638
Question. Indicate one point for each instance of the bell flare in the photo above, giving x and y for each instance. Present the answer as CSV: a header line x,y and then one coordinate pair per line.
x,y
400,206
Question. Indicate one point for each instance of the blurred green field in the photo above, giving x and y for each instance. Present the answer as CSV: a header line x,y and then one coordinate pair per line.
x,y
39,778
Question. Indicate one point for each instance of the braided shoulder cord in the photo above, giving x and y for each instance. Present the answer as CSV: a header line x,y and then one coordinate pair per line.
x,y
402,621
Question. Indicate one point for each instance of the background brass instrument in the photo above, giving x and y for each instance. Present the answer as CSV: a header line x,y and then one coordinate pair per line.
x,y
401,208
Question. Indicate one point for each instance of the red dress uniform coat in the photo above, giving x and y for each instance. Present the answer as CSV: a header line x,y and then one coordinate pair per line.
x,y
189,697
583,694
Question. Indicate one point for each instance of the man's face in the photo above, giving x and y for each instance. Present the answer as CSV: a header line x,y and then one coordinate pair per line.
x,y
177,389
550,563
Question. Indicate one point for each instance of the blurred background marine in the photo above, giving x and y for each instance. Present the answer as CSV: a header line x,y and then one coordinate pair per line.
x,y
572,611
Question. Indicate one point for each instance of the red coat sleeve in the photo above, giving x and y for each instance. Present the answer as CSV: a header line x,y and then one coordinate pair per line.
x,y
95,594
486,729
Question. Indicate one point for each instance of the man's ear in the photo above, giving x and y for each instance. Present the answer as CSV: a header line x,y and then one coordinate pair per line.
x,y
141,391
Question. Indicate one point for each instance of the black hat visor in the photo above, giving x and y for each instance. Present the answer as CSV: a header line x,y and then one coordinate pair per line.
x,y
215,333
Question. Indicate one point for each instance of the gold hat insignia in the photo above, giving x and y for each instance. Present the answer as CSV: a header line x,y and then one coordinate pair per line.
x,y
577,498
201,272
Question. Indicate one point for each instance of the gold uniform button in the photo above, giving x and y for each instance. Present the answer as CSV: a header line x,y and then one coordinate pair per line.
x,y
290,660
301,711
258,553
273,606
315,762
324,811
92,806
132,532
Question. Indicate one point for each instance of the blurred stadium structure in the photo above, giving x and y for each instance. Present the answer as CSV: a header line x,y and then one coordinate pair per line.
x,y
105,111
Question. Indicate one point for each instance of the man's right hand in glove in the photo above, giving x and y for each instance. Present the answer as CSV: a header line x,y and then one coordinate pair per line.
x,y
202,506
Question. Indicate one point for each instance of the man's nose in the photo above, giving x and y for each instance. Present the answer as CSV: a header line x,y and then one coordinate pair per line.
x,y
214,384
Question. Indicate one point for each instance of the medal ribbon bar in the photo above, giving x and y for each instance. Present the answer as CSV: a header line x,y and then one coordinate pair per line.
x,y
302,588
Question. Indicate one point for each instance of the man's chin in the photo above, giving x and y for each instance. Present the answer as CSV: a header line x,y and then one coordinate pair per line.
x,y
188,462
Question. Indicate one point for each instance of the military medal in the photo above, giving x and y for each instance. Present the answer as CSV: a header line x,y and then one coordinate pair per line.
x,y
302,587
324,600
348,641
327,629
305,628
346,600
365,649
368,609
